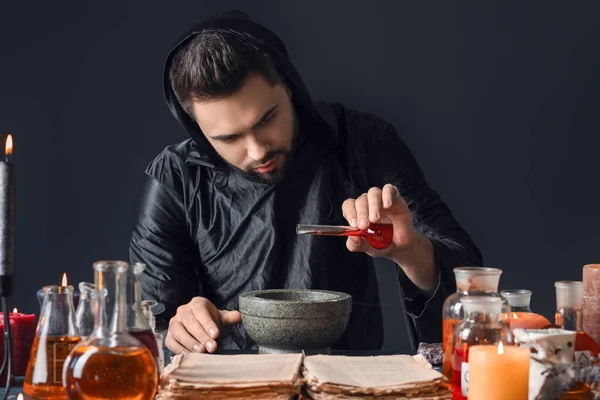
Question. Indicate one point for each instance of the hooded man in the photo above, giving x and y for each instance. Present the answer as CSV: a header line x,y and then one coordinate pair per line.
x,y
220,209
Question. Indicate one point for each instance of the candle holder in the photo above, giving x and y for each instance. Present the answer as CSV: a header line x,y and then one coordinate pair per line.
x,y
7,247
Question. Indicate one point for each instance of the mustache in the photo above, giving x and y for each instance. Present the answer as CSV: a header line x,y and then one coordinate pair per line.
x,y
268,157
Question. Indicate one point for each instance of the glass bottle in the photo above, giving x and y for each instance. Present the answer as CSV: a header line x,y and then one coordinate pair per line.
x,y
470,281
569,302
110,363
55,337
481,325
137,323
84,316
150,309
521,315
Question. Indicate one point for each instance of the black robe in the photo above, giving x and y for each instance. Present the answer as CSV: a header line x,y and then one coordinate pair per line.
x,y
206,230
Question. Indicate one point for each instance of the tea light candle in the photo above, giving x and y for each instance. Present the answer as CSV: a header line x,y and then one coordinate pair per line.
x,y
498,372
527,320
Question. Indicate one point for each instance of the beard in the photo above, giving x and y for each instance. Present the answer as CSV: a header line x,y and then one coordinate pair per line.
x,y
286,159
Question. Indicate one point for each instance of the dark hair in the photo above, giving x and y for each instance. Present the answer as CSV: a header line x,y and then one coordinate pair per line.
x,y
215,64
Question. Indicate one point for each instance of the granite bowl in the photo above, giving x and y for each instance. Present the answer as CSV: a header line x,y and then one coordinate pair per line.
x,y
295,320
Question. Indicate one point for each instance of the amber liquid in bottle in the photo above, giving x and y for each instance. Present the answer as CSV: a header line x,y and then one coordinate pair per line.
x,y
43,379
123,373
448,326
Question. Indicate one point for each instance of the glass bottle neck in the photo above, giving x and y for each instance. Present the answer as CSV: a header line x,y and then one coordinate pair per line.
x,y
475,292
111,286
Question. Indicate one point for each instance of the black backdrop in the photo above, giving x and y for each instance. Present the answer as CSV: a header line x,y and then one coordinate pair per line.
x,y
498,100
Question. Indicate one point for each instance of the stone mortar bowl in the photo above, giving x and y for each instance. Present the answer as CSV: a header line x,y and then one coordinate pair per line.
x,y
295,320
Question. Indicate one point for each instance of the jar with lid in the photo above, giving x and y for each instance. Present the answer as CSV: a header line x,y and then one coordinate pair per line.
x,y
481,325
470,281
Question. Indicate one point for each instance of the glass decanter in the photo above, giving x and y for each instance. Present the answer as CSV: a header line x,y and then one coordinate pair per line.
x,y
55,337
110,363
137,323
521,315
481,325
84,315
470,281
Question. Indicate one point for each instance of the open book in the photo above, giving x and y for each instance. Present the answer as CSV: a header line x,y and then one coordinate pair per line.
x,y
287,376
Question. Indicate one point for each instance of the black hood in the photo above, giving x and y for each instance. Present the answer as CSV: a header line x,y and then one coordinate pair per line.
x,y
240,25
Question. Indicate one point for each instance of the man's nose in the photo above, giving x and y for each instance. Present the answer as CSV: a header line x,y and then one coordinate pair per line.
x,y
257,149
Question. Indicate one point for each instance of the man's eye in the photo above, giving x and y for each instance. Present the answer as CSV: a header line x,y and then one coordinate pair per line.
x,y
267,120
229,139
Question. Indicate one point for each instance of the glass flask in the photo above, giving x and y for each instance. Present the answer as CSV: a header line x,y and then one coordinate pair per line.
x,y
55,337
110,363
521,315
470,281
86,308
481,325
150,309
137,323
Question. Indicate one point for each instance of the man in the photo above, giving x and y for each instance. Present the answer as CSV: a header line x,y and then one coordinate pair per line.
x,y
220,209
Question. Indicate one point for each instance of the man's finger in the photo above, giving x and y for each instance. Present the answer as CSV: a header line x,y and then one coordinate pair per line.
x,y
362,211
179,333
356,244
230,318
389,194
349,211
197,330
208,326
374,201
173,345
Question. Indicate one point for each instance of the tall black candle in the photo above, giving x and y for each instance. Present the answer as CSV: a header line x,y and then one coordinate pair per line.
x,y
7,220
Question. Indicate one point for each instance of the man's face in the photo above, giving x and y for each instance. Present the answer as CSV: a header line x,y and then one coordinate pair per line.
x,y
252,130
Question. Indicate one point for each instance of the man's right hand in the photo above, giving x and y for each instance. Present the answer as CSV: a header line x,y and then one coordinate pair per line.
x,y
197,324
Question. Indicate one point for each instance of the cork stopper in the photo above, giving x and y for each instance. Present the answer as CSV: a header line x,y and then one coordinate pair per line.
x,y
569,294
477,278
482,304
517,297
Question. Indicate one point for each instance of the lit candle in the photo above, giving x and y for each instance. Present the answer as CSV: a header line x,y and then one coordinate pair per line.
x,y
40,293
7,220
498,372
527,320
22,332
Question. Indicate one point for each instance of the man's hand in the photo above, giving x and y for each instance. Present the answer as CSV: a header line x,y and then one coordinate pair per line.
x,y
409,249
197,324
384,206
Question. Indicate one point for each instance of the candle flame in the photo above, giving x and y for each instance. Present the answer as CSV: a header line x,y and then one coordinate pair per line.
x,y
20,396
64,279
9,145
15,310
500,348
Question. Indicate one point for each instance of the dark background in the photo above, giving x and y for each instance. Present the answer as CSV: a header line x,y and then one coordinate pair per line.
x,y
498,100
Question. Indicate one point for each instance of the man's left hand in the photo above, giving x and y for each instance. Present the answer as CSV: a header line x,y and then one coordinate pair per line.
x,y
384,206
